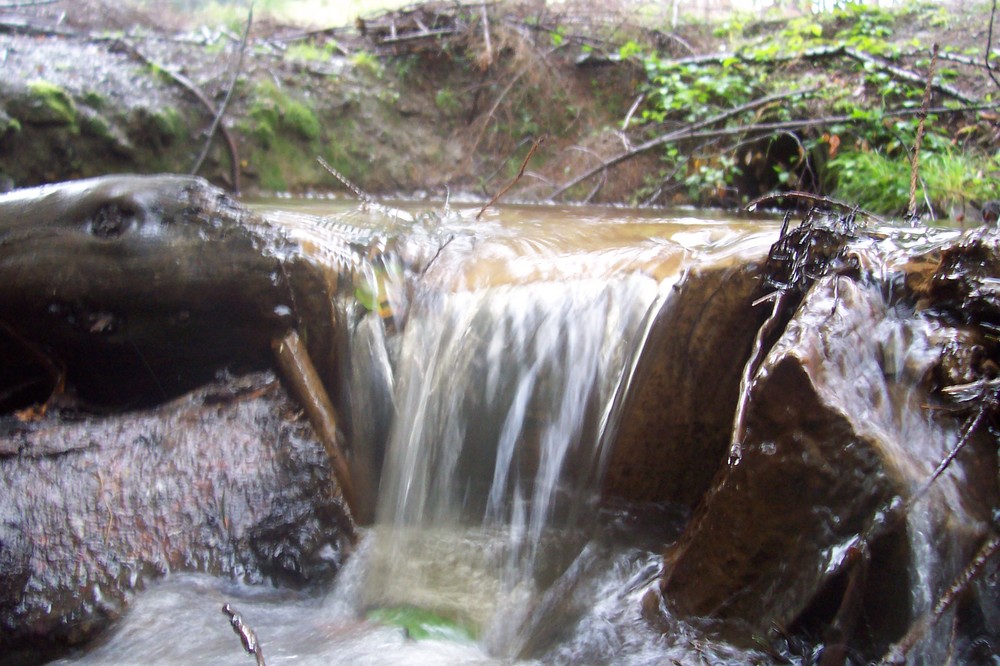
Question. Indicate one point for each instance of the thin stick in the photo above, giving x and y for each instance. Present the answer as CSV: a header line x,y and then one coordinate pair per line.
x,y
813,198
911,210
29,3
989,45
299,371
897,653
362,196
248,637
198,94
487,58
225,103
678,134
520,173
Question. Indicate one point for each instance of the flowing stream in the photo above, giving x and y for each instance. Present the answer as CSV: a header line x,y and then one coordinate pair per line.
x,y
488,393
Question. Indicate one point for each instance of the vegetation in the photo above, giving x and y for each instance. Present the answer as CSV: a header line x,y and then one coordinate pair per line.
x,y
853,71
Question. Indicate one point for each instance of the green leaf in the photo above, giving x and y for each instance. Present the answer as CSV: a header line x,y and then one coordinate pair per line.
x,y
421,624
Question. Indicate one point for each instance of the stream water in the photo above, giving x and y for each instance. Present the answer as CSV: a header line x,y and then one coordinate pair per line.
x,y
487,393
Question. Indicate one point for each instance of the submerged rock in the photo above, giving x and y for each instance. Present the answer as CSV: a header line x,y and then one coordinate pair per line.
x,y
228,480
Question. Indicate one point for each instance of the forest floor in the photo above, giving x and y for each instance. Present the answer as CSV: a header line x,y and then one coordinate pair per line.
x,y
446,98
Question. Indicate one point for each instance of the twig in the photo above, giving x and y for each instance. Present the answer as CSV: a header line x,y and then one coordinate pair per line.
x,y
897,653
520,173
362,196
28,3
911,210
691,131
487,57
222,109
813,198
198,94
246,633
989,45
824,52
678,134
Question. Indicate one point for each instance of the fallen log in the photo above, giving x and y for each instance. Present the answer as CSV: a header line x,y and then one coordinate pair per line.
x,y
127,449
229,480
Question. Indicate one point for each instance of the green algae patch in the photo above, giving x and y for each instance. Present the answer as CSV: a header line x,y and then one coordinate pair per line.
x,y
49,104
420,624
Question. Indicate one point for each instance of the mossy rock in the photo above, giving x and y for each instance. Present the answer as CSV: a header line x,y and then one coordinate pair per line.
x,y
157,128
272,112
44,103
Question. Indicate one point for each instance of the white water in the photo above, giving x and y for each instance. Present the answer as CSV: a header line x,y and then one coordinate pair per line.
x,y
502,391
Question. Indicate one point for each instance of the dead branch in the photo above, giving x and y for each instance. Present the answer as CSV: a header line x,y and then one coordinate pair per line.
x,y
677,135
362,196
27,3
911,210
761,129
814,199
198,94
486,58
222,110
825,52
298,370
520,172
989,45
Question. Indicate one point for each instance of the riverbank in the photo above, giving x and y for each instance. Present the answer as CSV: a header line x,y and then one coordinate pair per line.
x,y
449,100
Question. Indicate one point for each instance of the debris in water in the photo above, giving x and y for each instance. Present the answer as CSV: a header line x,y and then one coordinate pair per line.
x,y
246,633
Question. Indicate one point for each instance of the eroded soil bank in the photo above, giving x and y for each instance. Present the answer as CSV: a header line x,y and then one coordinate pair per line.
x,y
441,99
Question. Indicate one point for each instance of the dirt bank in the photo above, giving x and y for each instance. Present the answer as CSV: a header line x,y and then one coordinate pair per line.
x,y
438,99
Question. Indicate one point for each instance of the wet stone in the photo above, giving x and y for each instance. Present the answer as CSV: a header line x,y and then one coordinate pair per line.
x,y
228,480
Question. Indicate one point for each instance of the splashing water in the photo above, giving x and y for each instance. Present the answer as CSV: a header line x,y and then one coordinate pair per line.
x,y
490,390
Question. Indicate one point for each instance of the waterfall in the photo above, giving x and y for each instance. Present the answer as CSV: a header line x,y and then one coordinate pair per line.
x,y
507,383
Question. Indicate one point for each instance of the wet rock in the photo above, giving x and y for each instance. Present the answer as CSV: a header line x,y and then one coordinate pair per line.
x,y
228,480
676,428
833,443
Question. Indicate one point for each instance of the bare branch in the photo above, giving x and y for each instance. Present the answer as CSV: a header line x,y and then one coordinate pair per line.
x,y
911,209
989,45
520,172
686,132
222,110
198,94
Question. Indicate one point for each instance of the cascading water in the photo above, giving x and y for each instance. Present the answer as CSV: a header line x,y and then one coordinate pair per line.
x,y
485,369
506,390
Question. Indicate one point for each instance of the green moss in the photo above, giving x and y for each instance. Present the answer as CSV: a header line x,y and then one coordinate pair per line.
x,y
300,119
94,100
169,123
92,124
8,124
421,624
51,103
273,113
310,51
